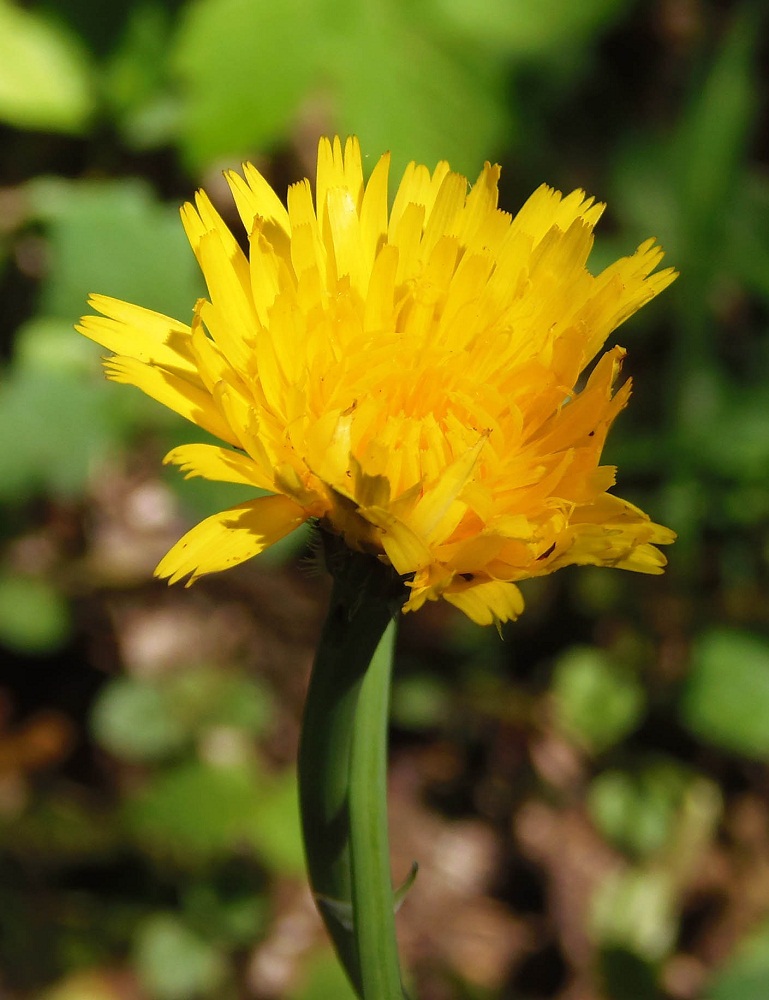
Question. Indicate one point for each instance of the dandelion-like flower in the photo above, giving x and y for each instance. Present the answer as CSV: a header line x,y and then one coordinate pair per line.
x,y
408,377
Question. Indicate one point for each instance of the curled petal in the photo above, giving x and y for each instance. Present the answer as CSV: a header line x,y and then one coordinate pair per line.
x,y
174,391
226,539
139,333
488,603
222,465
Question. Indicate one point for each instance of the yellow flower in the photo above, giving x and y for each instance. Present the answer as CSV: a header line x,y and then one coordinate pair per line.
x,y
408,377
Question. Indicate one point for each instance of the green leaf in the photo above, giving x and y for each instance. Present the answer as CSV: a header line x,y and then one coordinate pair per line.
x,y
34,617
230,906
685,187
195,809
113,237
150,719
45,78
202,810
135,721
598,701
726,697
384,73
638,810
244,65
747,246
626,974
420,701
46,346
51,453
397,83
736,442
634,910
745,975
206,698
173,963
324,978
714,134
524,29
275,828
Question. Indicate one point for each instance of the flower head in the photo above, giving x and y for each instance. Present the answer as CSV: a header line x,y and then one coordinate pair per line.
x,y
408,377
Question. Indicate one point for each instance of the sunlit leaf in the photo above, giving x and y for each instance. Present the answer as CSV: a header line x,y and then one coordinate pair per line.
x,y
115,238
44,72
250,69
245,65
195,809
384,56
150,719
46,345
634,910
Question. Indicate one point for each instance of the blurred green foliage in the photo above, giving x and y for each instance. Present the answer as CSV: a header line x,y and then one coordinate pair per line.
x,y
597,701
44,72
726,698
747,973
148,819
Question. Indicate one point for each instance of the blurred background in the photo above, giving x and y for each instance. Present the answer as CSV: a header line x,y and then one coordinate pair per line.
x,y
589,798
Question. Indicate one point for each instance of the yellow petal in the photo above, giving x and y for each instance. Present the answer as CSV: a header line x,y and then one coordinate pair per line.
x,y
219,464
427,519
489,603
418,187
202,218
337,169
138,333
405,549
373,211
172,391
644,559
211,364
449,202
230,317
255,199
481,203
344,227
265,273
230,537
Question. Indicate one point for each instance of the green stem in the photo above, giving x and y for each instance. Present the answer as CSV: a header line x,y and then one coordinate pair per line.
x,y
372,891
347,858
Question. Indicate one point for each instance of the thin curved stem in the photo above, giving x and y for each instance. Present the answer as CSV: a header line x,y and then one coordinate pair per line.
x,y
372,890
342,770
